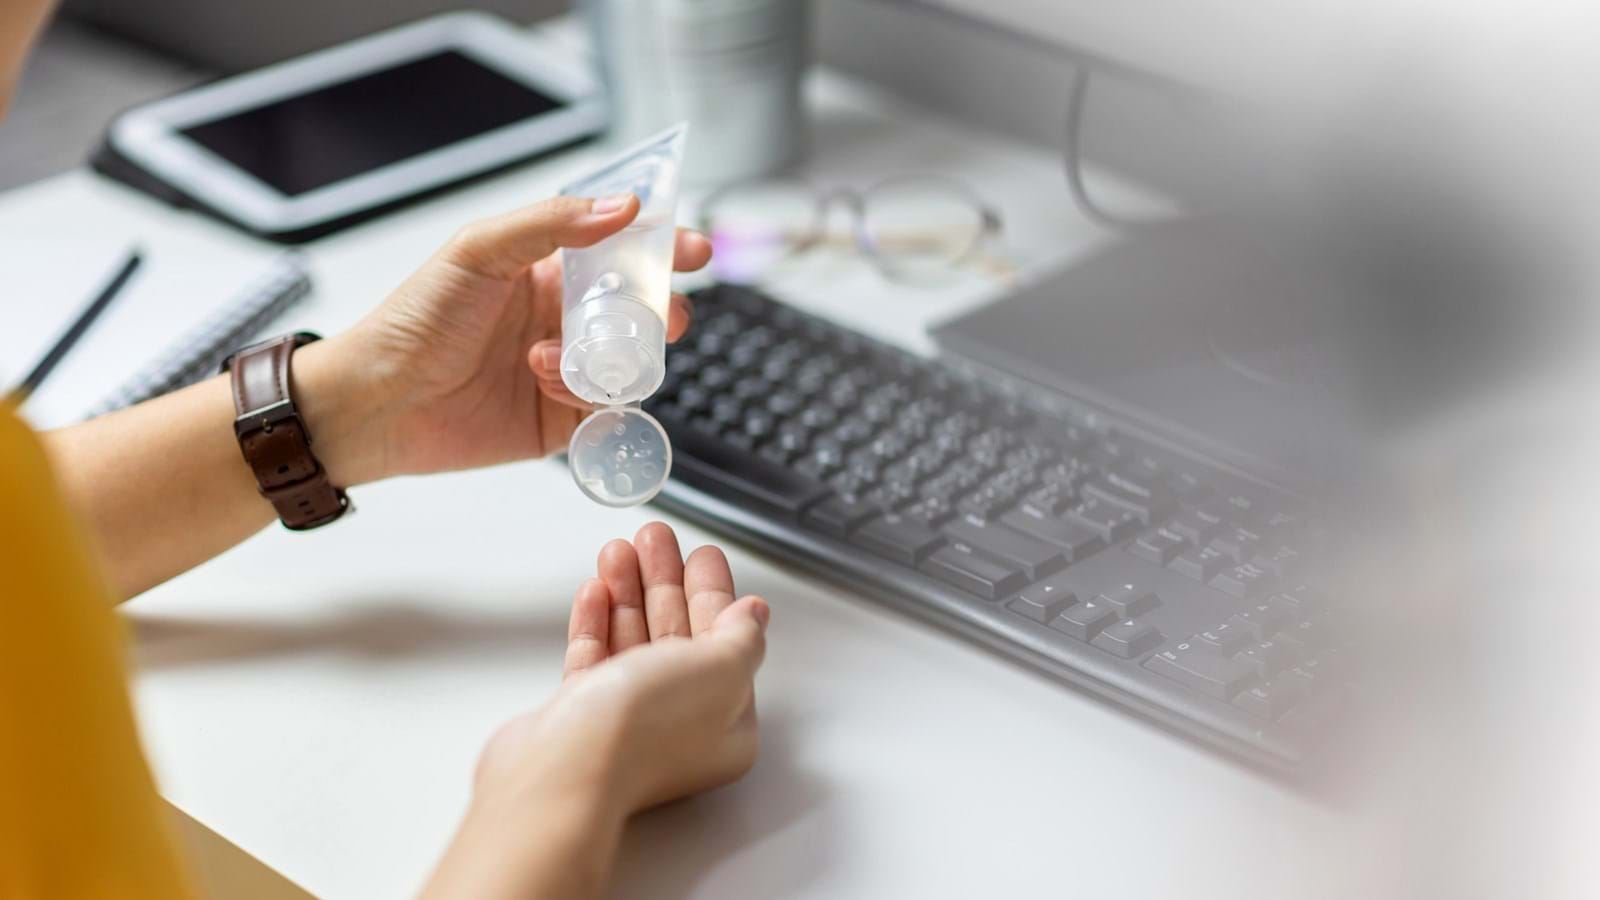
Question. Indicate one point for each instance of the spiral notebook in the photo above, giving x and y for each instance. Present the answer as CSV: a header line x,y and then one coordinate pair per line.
x,y
199,352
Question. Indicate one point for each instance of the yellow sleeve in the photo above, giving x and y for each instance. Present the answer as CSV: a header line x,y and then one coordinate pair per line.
x,y
79,814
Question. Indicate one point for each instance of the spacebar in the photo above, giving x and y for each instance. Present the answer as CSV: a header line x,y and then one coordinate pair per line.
x,y
699,458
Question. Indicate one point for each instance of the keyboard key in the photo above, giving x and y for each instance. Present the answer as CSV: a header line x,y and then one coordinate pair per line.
x,y
1129,600
1202,668
876,412
1308,635
1146,469
681,361
1192,527
814,468
1044,601
966,471
1302,599
1069,475
1201,565
760,425
1242,581
1011,413
1305,676
1051,500
704,458
915,467
726,411
1158,545
819,415
1217,513
966,568
1270,699
995,440
1033,557
774,451
1129,638
1262,619
986,502
959,425
1267,657
838,515
784,404
1237,543
930,511
891,495
1075,539
1145,501
1085,620
748,389
1189,488
1225,638
704,426
1112,451
694,399
1280,559
927,409
715,377
888,446
852,431
863,465
1110,523
898,538
793,437
1240,506
849,484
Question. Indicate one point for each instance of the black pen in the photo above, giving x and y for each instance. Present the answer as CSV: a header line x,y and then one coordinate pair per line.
x,y
20,393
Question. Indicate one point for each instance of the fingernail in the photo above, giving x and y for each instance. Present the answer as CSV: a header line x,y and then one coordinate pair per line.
x,y
761,612
550,357
608,205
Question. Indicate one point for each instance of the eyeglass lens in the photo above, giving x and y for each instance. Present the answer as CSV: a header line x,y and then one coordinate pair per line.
x,y
913,227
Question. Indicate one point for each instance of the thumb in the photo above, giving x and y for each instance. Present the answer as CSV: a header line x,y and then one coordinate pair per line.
x,y
742,627
505,245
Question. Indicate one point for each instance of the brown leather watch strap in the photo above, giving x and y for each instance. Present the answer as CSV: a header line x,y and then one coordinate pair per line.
x,y
274,440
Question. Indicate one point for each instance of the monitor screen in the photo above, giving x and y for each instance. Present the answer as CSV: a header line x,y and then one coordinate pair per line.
x,y
312,140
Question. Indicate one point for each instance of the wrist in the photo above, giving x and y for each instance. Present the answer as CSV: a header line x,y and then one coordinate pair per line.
x,y
346,408
551,840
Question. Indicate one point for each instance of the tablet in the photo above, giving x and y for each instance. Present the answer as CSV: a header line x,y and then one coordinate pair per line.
x,y
296,148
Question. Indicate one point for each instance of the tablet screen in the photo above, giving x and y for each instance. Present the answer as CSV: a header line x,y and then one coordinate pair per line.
x,y
342,130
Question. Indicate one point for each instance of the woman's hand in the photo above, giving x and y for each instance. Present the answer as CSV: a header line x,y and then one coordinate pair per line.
x,y
658,697
658,703
458,368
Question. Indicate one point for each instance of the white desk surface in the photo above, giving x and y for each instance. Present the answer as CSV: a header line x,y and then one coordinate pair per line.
x,y
326,717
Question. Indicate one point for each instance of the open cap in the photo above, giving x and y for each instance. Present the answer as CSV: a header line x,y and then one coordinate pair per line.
x,y
620,456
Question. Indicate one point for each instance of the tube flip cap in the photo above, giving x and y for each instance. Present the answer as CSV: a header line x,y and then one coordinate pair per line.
x,y
620,456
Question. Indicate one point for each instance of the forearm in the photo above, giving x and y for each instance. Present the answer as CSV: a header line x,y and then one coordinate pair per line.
x,y
163,487
553,845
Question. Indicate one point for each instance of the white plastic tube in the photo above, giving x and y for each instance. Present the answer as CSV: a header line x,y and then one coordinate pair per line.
x,y
616,293
615,297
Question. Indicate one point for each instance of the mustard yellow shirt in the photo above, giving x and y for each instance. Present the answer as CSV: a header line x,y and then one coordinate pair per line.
x,y
79,814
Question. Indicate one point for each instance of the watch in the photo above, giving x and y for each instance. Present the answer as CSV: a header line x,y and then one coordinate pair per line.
x,y
274,439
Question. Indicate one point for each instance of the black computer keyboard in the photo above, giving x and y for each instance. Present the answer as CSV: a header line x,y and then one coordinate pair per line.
x,y
1015,516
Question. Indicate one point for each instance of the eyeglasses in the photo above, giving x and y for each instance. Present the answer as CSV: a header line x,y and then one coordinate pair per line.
x,y
915,229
